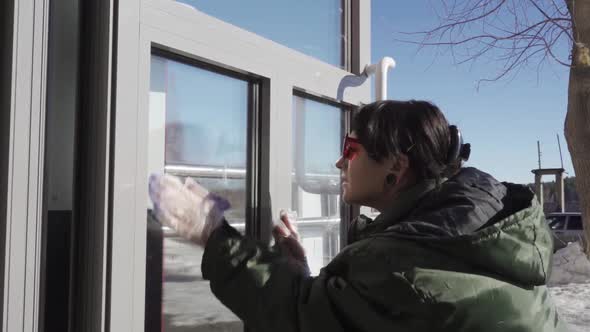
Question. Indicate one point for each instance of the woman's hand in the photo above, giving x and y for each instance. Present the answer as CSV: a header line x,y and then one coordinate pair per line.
x,y
190,209
287,240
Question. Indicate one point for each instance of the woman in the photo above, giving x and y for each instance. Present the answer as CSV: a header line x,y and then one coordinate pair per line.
x,y
452,250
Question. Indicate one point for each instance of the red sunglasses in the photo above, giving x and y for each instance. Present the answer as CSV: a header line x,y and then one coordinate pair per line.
x,y
350,147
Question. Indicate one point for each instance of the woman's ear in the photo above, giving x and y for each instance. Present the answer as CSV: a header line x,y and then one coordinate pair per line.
x,y
399,165
400,168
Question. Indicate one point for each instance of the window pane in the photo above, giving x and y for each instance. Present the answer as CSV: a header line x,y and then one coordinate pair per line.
x,y
313,27
200,118
317,136
206,115
574,223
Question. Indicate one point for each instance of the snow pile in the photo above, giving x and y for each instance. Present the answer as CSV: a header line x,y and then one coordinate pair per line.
x,y
569,285
570,265
573,305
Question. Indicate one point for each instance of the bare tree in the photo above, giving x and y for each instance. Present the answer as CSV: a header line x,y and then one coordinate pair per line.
x,y
521,34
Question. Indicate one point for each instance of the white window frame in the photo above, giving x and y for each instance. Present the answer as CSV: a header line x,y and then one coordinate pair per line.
x,y
143,24
22,148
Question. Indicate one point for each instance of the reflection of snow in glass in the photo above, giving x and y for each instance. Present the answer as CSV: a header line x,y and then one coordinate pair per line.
x,y
188,303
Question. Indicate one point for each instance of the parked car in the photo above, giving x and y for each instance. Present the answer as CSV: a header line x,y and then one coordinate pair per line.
x,y
566,227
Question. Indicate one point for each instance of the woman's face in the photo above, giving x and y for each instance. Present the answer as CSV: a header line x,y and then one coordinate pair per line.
x,y
363,179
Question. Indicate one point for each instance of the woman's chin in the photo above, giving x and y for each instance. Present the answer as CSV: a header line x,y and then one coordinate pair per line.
x,y
347,197
351,199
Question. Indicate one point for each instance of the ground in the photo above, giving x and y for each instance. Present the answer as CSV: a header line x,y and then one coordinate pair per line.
x,y
573,304
570,287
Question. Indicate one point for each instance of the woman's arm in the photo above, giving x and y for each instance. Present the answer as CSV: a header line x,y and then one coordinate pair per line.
x,y
270,293
266,289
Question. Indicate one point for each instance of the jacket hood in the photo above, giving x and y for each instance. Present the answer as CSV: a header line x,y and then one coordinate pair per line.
x,y
498,228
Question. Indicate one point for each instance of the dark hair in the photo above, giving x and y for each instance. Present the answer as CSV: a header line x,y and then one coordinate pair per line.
x,y
416,128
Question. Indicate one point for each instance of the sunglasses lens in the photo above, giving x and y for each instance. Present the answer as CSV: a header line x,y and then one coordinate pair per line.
x,y
347,149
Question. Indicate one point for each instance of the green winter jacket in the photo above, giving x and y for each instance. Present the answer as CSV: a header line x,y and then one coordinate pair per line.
x,y
471,254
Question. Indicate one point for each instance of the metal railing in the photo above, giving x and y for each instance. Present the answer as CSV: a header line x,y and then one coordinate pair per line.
x,y
302,224
206,172
318,183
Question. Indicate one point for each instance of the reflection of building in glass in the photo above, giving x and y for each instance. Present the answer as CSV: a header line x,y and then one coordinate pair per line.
x,y
317,129
191,144
174,142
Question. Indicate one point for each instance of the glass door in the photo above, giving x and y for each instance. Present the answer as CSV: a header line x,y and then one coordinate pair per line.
x,y
214,93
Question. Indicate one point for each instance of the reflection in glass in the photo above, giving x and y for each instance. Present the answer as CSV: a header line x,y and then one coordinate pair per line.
x,y
575,223
313,27
234,190
198,128
317,136
206,115
556,222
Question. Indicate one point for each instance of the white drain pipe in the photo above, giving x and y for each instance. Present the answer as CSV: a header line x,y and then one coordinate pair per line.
x,y
380,70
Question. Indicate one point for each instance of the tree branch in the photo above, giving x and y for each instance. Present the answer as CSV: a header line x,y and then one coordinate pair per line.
x,y
515,31
553,20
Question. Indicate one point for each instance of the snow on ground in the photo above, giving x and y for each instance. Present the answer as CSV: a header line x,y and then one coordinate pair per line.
x,y
573,304
569,285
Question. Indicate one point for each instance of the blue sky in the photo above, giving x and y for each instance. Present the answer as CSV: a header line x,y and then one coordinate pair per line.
x,y
502,120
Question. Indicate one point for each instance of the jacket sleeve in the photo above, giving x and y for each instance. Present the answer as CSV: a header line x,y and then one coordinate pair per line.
x,y
269,293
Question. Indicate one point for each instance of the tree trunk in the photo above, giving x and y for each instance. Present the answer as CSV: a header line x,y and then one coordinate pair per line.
x,y
577,121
